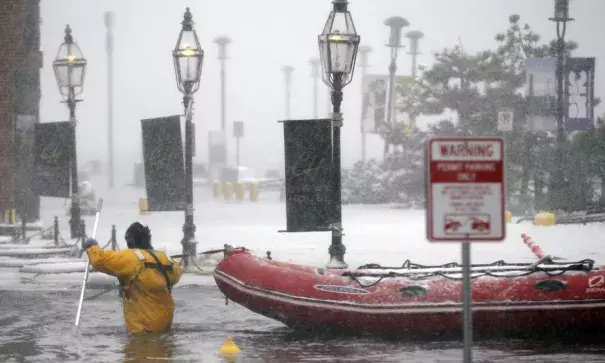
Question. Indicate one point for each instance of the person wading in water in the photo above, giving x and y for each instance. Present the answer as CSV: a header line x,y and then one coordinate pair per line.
x,y
146,277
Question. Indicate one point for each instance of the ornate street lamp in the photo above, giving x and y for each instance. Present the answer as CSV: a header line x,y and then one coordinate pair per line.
x,y
188,58
338,45
561,17
70,67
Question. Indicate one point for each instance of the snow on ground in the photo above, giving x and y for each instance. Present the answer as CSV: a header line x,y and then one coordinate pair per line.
x,y
378,234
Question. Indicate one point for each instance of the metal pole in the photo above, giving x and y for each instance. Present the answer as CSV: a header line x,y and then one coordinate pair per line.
x,y
237,153
87,267
561,18
468,298
390,95
414,36
109,20
337,249
75,220
189,243
222,43
288,82
315,74
396,23
363,64
560,121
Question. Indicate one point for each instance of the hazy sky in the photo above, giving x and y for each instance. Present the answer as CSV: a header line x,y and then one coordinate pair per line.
x,y
266,35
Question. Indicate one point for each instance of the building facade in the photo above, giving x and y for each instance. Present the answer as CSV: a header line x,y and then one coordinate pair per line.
x,y
20,64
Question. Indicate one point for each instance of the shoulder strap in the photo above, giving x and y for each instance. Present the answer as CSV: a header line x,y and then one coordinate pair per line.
x,y
162,269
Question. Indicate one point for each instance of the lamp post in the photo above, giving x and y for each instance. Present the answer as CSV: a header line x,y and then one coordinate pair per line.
x,y
188,58
315,64
222,43
70,68
338,45
396,23
288,83
364,52
561,18
414,36
109,22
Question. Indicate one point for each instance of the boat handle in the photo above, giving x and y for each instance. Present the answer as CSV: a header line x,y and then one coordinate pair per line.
x,y
412,291
550,285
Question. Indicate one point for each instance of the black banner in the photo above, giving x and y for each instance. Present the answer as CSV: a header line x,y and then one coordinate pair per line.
x,y
312,200
579,93
164,163
54,142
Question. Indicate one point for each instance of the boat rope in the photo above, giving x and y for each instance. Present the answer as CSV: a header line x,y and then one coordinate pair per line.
x,y
555,269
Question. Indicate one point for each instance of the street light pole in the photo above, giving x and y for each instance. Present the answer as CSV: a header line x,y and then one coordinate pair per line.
x,y
70,69
396,23
414,36
338,45
222,43
315,64
288,82
109,22
188,58
561,18
364,52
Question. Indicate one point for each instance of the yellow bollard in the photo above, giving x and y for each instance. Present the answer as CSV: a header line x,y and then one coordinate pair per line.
x,y
544,219
509,216
254,192
240,191
228,191
143,206
217,190
229,350
10,216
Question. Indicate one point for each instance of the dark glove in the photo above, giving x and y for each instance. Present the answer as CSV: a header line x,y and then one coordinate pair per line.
x,y
90,242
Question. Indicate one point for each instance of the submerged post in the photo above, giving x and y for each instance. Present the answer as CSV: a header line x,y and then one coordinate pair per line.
x,y
467,317
114,240
56,230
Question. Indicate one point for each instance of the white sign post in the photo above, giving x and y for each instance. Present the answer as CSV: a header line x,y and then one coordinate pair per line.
x,y
506,117
466,195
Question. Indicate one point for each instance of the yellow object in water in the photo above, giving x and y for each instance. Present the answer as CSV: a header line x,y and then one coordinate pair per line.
x,y
143,206
229,348
544,219
509,216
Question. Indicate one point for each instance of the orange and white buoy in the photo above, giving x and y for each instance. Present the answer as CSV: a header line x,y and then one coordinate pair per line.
x,y
537,250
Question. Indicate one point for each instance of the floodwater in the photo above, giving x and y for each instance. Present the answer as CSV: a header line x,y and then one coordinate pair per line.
x,y
37,319
39,327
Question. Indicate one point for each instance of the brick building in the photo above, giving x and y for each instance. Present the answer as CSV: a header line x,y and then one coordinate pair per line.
x,y
20,63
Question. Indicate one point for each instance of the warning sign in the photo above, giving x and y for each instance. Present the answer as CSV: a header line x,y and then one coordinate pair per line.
x,y
466,189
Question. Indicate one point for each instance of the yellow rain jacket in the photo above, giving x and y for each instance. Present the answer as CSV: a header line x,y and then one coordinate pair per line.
x,y
148,304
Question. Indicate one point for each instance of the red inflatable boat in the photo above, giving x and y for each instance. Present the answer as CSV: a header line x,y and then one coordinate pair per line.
x,y
508,299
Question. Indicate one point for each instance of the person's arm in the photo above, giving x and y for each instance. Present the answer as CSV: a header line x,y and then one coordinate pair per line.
x,y
175,274
120,264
